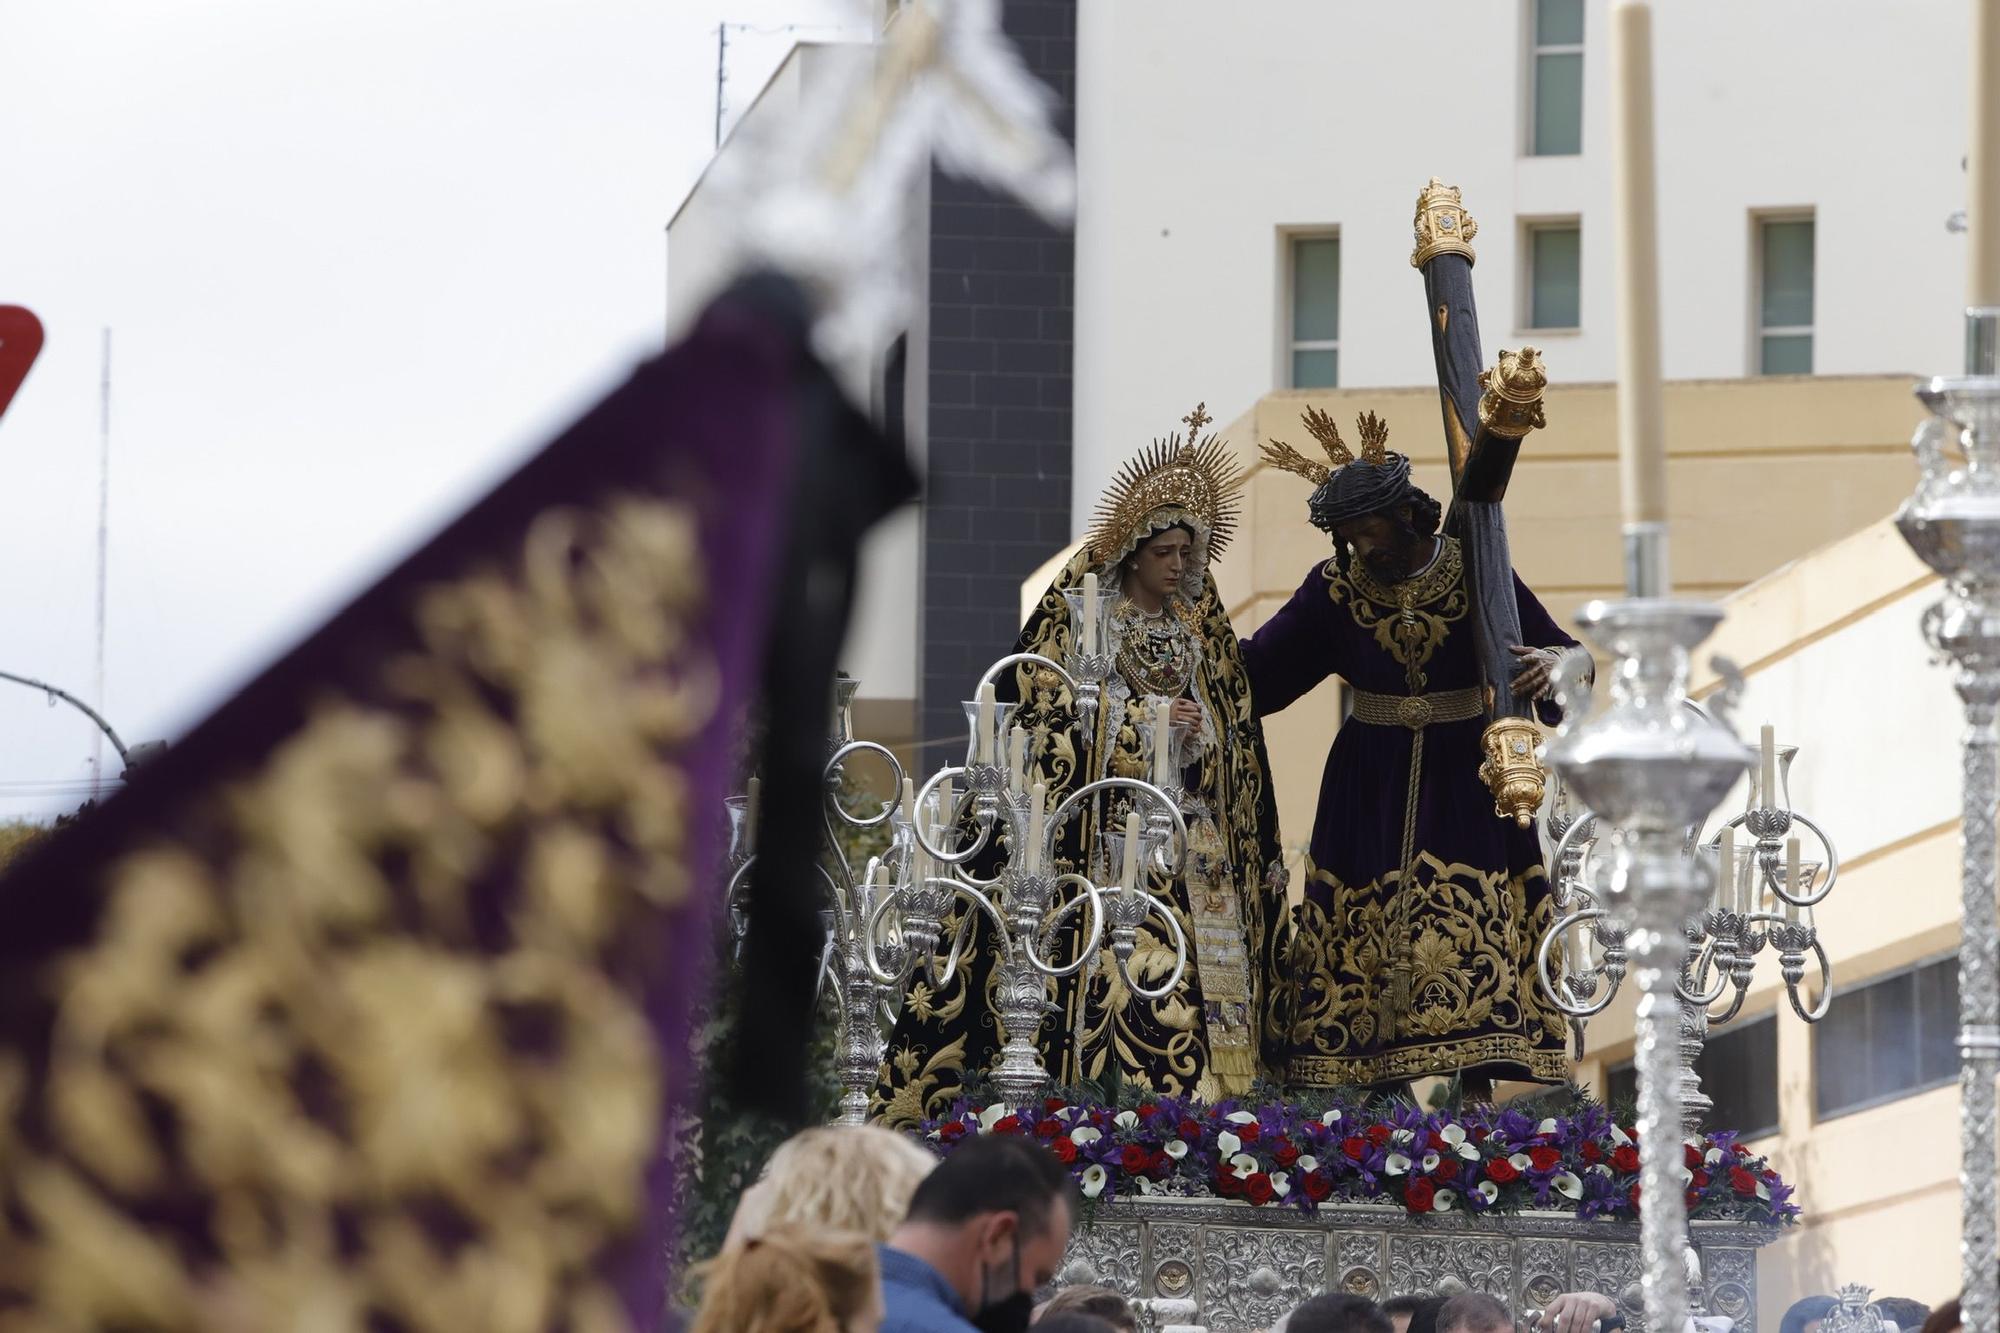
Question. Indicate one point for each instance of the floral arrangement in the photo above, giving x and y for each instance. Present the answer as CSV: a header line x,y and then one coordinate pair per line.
x,y
1481,1159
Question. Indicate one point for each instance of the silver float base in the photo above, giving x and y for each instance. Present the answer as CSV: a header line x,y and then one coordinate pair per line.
x,y
1244,1267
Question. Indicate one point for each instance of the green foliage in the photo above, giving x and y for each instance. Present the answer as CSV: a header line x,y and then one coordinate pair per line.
x,y
16,837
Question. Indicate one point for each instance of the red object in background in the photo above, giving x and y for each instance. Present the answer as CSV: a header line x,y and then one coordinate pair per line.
x,y
20,344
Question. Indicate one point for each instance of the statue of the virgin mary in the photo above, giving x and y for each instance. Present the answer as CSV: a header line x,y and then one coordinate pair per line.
x,y
1165,517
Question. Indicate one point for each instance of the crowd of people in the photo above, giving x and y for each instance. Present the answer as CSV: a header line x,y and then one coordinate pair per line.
x,y
857,1229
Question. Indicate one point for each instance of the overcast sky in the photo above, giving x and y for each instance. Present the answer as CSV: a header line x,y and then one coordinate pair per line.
x,y
358,258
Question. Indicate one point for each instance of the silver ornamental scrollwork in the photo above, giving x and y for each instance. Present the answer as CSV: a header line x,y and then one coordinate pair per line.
x,y
1544,1273
1251,1278
1732,1286
1357,1260
1614,1271
1110,1254
1420,1265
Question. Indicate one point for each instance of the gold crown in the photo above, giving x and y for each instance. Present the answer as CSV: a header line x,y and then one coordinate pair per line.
x,y
1443,226
1197,475
1374,434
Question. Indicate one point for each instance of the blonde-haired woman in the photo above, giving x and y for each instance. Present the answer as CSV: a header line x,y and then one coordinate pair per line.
x,y
856,1178
794,1278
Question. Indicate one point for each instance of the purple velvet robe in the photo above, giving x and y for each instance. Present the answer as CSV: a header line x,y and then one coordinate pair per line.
x,y
1395,980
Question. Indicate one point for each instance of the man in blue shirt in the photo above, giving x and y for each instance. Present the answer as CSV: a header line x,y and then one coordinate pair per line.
x,y
985,1230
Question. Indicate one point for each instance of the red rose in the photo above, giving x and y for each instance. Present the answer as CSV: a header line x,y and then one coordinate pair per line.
x,y
1592,1153
1632,1133
1248,1133
1160,1164
1420,1195
1226,1182
1258,1189
1693,1198
1316,1186
1285,1153
1007,1124
1135,1159
1501,1171
1355,1148
1378,1134
1064,1149
1446,1170
1190,1130
1048,1129
1634,1197
1701,1179
1147,1109
1545,1158
1625,1158
1437,1141
951,1130
1479,1135
1742,1182
1050,1105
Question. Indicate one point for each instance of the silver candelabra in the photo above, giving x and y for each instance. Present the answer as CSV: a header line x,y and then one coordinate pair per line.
x,y
983,812
1650,768
848,963
1763,898
1952,521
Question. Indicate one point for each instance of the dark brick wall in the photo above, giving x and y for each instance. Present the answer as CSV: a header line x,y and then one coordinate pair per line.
x,y
997,500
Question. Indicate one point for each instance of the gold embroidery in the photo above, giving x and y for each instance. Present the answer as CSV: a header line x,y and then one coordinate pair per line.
x,y
353,1024
1411,619
1473,995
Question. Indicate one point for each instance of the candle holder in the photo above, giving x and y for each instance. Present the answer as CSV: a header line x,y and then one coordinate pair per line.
x,y
1090,669
1952,522
1649,767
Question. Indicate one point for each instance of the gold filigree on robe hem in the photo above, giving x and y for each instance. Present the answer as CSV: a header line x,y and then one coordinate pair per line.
x,y
1476,999
362,1024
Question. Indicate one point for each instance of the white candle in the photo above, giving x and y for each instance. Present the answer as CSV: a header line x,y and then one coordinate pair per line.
x,y
1163,743
944,829
1725,870
909,802
1129,876
1578,957
1767,770
1038,796
1017,760
750,815
1642,453
1982,184
1792,879
982,741
1090,612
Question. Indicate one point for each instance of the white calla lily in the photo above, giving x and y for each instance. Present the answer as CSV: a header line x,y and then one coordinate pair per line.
x,y
1547,1126
1281,1184
1568,1185
1431,1160
1520,1161
1686,1176
1240,1118
1712,1156
1619,1136
1094,1178
1126,1120
1244,1165
1175,1149
1307,1163
1402,1136
1228,1144
1396,1165
1330,1118
1469,1151
992,1116
1488,1190
1453,1134
1084,1134
1443,1201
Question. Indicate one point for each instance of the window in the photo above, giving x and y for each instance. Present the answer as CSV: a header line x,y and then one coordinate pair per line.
x,y
1785,296
1315,301
1738,1069
1555,77
1890,1038
1554,286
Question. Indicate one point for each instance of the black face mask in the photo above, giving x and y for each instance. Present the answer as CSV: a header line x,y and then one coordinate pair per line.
x,y
1010,1313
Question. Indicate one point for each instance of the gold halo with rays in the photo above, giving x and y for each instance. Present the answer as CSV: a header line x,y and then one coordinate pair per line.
x,y
1197,474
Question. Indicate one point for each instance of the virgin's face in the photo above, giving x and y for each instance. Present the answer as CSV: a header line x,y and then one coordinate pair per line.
x,y
1160,565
